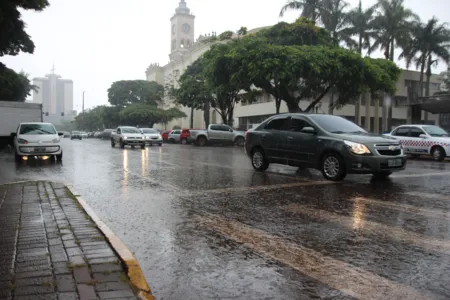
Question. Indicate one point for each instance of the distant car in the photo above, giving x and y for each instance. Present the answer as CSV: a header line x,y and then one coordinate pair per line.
x,y
217,134
36,139
423,139
84,135
174,136
128,136
185,135
152,136
66,134
331,144
105,134
76,135
165,135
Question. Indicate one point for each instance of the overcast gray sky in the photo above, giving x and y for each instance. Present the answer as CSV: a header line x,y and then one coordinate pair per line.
x,y
97,42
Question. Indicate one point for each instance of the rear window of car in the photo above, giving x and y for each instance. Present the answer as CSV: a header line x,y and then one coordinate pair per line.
x,y
149,131
37,129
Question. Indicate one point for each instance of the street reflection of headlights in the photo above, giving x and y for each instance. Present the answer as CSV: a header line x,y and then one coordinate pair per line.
x,y
357,148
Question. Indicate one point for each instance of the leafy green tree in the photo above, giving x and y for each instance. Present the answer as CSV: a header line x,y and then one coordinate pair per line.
x,y
335,20
126,92
145,115
14,38
193,92
393,25
430,43
311,9
14,86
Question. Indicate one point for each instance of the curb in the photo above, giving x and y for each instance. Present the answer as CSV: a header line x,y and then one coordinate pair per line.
x,y
134,270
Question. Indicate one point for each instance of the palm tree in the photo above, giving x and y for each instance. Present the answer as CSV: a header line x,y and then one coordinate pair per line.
x,y
361,26
335,20
393,24
310,8
430,43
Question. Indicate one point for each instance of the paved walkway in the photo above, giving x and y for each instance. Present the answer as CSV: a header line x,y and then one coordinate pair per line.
x,y
50,249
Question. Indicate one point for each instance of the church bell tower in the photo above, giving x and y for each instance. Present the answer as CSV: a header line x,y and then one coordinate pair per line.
x,y
181,31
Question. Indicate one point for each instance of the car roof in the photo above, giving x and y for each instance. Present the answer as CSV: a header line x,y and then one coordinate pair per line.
x,y
31,123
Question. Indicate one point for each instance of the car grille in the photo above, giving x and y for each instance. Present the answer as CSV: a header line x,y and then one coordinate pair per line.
x,y
388,150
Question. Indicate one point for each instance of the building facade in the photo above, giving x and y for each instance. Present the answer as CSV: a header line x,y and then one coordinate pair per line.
x,y
56,96
185,50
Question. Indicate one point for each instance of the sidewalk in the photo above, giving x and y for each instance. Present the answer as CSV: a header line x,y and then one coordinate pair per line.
x,y
51,249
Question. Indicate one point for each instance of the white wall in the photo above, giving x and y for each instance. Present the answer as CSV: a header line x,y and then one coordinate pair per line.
x,y
68,97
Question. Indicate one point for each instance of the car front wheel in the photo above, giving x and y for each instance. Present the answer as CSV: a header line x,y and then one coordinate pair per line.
x,y
112,143
239,141
333,167
143,146
259,160
438,153
59,157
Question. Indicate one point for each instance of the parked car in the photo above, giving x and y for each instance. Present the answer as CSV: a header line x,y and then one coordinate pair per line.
x,y
152,136
165,135
76,135
174,136
37,139
127,135
66,134
331,144
105,134
185,134
423,140
84,134
219,134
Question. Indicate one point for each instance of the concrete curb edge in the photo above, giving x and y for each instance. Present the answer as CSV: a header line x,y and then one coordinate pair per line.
x,y
134,270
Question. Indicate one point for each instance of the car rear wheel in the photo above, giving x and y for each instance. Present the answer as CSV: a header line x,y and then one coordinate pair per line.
x,y
122,144
184,141
143,146
160,144
333,167
259,160
438,153
201,141
239,141
112,143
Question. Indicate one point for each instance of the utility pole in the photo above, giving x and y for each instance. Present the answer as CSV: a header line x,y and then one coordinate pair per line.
x,y
82,110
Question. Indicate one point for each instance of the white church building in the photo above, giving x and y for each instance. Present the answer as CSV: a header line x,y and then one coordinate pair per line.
x,y
186,48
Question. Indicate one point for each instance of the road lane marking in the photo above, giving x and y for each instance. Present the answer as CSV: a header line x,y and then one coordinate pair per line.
x,y
428,195
426,212
342,276
421,175
358,221
262,187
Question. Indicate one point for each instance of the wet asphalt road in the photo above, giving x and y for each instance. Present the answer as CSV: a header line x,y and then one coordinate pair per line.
x,y
204,225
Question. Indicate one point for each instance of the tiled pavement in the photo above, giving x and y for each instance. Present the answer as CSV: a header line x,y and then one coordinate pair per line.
x,y
50,249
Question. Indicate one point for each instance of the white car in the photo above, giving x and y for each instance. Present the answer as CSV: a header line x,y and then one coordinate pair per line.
x,y
37,139
423,139
152,136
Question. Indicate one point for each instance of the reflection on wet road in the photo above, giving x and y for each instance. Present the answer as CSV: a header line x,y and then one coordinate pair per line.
x,y
204,225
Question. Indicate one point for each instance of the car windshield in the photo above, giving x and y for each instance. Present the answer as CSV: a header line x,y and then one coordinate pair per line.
x,y
435,131
130,130
37,129
335,124
149,130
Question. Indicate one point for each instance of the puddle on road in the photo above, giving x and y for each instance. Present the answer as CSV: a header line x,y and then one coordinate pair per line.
x,y
339,275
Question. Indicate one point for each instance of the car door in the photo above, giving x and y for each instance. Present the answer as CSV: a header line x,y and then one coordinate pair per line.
x,y
117,135
402,134
300,145
419,145
274,139
227,133
215,133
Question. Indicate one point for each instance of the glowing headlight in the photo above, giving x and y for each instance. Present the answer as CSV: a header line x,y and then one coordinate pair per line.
x,y
22,141
357,148
124,137
56,140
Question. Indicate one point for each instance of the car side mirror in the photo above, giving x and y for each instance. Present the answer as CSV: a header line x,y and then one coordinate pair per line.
x,y
60,133
309,130
13,134
423,136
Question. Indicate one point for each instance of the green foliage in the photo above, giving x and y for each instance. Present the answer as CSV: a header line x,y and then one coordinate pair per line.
x,y
13,38
126,92
301,32
14,86
310,8
242,31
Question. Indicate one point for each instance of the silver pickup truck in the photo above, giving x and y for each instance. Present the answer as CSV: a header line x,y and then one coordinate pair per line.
x,y
127,135
217,134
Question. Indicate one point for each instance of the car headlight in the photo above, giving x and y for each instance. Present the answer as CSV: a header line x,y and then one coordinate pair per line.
x,y
22,141
55,140
357,148
124,137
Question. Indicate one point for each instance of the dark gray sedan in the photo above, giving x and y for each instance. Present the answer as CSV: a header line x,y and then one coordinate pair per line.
x,y
331,144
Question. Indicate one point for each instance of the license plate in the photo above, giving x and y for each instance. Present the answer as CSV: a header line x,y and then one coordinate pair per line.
x,y
37,149
394,162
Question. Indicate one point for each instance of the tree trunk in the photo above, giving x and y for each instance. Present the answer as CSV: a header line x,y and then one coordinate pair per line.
x,y
192,118
293,107
330,105
367,104
376,121
422,69
277,105
427,86
206,113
